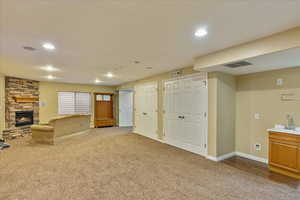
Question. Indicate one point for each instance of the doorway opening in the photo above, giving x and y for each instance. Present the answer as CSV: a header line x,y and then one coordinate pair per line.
x,y
126,108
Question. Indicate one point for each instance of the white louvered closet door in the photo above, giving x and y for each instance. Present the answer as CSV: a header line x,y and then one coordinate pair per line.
x,y
185,118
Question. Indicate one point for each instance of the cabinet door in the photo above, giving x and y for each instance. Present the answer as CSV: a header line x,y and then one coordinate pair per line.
x,y
284,155
299,158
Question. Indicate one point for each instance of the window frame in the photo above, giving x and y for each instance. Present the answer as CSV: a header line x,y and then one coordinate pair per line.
x,y
90,106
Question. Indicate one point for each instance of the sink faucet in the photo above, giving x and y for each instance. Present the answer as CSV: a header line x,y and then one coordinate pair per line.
x,y
290,123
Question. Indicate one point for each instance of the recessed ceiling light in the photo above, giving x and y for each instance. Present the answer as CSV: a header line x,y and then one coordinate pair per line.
x,y
201,32
49,68
49,46
109,75
50,77
98,81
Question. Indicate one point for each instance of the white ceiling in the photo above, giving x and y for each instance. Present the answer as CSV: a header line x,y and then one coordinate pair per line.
x,y
94,37
272,61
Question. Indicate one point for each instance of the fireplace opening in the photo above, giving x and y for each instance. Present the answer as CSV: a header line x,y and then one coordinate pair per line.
x,y
24,118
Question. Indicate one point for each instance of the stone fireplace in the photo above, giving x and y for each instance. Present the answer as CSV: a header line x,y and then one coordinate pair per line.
x,y
21,106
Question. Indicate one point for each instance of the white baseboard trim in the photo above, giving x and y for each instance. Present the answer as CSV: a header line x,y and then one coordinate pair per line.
x,y
243,155
220,158
187,147
252,157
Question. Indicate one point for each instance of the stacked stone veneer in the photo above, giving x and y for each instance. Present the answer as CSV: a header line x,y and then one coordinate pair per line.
x,y
16,87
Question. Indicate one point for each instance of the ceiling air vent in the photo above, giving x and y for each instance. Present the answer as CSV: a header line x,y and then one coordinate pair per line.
x,y
238,64
29,48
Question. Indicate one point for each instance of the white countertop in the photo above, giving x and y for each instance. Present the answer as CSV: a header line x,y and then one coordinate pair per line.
x,y
284,131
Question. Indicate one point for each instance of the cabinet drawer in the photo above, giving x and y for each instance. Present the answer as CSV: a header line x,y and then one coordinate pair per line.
x,y
284,155
284,137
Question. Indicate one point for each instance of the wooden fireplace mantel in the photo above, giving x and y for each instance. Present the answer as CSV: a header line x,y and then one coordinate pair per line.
x,y
26,99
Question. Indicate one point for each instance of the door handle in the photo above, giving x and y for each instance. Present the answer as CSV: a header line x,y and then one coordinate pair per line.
x,y
144,113
181,117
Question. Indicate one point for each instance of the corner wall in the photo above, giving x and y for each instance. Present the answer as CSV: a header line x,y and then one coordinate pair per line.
x,y
221,114
226,114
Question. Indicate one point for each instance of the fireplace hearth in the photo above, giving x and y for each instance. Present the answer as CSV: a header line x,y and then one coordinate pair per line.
x,y
24,118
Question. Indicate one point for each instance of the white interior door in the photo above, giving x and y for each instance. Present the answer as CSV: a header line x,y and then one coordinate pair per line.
x,y
125,108
185,118
145,118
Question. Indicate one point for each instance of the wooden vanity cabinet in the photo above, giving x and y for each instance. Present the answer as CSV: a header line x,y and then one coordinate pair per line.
x,y
284,154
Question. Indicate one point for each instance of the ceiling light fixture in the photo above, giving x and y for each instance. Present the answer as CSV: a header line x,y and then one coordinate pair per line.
x,y
98,81
49,46
49,68
109,75
201,32
50,77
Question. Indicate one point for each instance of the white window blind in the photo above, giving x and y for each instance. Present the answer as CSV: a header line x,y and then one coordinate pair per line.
x,y
66,103
82,103
74,103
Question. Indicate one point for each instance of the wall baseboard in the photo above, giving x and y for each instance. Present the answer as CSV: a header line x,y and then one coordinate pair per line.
x,y
252,157
220,158
243,155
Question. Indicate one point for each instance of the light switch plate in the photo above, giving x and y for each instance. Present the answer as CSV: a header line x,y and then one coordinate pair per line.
x,y
257,116
42,104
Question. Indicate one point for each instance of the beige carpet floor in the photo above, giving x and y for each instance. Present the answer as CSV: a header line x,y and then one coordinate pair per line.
x,y
124,166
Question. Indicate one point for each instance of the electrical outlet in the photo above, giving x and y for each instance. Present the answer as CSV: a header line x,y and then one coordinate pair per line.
x,y
279,82
257,147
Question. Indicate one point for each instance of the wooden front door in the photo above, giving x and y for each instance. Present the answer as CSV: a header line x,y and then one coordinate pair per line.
x,y
104,115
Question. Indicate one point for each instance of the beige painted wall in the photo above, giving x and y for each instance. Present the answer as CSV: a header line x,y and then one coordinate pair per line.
x,y
258,93
2,104
221,87
226,102
221,114
48,96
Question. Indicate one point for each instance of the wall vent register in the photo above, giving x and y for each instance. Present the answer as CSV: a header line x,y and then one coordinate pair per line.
x,y
238,64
